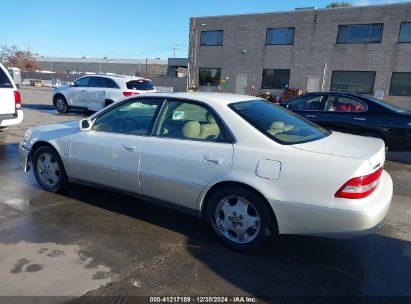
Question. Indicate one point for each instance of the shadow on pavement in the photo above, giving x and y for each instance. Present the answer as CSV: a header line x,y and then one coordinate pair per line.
x,y
51,109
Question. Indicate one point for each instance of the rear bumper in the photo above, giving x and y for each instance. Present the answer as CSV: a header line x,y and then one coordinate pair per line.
x,y
337,222
12,119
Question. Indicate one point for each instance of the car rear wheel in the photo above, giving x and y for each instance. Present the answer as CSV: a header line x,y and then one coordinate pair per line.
x,y
239,217
49,169
61,104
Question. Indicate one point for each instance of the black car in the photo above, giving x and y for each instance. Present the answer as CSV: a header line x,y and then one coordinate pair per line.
x,y
356,114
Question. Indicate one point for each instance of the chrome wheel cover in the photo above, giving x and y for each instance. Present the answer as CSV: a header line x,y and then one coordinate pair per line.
x,y
48,169
237,219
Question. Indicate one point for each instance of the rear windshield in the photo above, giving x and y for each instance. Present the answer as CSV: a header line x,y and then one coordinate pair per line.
x,y
4,80
281,125
141,85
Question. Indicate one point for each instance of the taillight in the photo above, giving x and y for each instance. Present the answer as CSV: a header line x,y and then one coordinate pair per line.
x,y
17,100
126,94
360,187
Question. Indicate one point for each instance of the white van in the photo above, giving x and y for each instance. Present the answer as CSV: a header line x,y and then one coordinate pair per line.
x,y
10,101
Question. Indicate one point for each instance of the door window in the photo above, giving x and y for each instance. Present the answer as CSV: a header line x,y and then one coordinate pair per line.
x,y
98,82
307,103
82,82
344,104
135,117
187,120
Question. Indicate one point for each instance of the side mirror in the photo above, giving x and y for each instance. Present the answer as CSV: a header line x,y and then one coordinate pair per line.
x,y
84,125
73,85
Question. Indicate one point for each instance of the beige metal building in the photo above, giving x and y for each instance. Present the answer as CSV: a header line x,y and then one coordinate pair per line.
x,y
361,49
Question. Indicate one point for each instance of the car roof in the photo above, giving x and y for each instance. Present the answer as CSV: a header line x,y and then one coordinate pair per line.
x,y
115,76
207,97
336,92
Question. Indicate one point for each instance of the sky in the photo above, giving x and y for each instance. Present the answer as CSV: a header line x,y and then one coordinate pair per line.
x,y
122,28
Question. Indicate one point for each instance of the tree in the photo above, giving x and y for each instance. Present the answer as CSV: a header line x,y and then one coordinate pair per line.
x,y
24,60
339,4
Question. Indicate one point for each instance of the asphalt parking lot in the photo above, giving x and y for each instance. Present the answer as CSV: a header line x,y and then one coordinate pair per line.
x,y
90,242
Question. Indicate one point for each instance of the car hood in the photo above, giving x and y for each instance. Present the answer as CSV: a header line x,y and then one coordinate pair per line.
x,y
348,145
72,124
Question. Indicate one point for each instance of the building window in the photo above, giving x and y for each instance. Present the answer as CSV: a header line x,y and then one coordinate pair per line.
x,y
283,35
356,82
211,38
400,84
275,79
209,77
405,32
360,33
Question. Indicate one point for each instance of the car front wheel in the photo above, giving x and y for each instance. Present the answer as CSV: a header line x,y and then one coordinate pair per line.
x,y
49,169
61,104
239,217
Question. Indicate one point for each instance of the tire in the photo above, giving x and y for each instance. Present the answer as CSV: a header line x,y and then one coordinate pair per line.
x,y
49,169
239,217
60,103
3,129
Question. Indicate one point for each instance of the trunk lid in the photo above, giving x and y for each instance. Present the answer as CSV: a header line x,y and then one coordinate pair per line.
x,y
351,146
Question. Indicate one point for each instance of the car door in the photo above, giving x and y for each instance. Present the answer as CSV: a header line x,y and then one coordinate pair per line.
x,y
343,113
109,153
308,106
97,92
189,149
78,92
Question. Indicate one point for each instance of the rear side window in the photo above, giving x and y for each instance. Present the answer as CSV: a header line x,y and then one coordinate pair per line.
x,y
112,84
279,124
5,81
141,85
98,82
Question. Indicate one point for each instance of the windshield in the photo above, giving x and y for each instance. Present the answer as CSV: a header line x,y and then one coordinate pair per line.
x,y
387,105
279,124
141,85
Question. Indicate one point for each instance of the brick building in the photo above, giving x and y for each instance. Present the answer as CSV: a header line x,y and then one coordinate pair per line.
x,y
362,49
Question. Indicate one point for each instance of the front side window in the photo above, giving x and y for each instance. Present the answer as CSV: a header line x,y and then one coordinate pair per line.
x,y
275,79
405,32
4,80
82,82
360,33
98,82
213,38
400,84
283,35
209,77
350,81
278,123
344,104
135,117
187,120
307,103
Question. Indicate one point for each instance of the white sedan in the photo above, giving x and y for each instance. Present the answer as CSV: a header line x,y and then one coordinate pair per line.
x,y
248,166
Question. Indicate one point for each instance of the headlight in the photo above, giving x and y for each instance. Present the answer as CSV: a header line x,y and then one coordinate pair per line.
x,y
27,134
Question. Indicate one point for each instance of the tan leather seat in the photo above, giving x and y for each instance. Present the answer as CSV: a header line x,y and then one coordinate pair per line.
x,y
191,129
279,127
211,129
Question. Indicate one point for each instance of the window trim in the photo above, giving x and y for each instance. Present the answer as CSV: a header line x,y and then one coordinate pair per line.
x,y
392,76
222,40
230,136
349,25
275,88
399,33
373,85
273,28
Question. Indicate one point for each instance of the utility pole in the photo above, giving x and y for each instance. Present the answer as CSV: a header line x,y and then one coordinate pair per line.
x,y
146,66
174,50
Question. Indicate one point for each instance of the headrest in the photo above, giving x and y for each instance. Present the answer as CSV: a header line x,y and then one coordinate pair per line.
x,y
277,125
210,118
191,129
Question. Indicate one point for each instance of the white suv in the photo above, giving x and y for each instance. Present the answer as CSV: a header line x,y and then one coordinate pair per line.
x,y
94,92
10,101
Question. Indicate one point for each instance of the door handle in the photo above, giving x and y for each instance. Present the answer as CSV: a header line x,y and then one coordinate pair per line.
x,y
360,118
311,116
212,161
128,148
82,91
102,91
